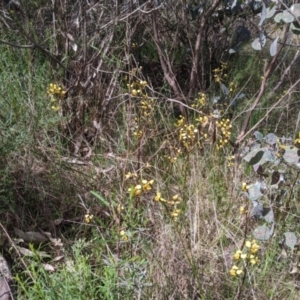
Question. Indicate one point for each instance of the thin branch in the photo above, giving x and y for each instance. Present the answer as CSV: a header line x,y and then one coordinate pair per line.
x,y
271,109
16,45
286,71
166,66
194,71
267,73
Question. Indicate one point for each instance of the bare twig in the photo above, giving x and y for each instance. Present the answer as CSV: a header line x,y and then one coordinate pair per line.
x,y
194,72
267,73
166,66
271,109
17,45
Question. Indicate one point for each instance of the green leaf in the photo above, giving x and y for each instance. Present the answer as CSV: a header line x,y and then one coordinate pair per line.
x,y
290,239
295,28
267,156
256,158
100,198
275,177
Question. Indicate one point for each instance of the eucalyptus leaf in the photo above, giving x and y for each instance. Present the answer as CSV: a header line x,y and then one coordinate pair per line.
x,y
272,229
259,42
258,135
273,47
256,6
270,12
290,239
295,9
252,153
254,156
262,233
263,14
241,37
224,89
287,17
257,210
275,177
291,155
295,29
278,18
240,96
271,139
233,4
257,158
268,215
254,193
266,157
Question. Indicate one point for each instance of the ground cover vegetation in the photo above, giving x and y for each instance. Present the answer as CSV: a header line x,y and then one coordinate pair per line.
x,y
149,149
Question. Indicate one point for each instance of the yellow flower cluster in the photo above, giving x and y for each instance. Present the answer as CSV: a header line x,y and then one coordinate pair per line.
x,y
281,147
203,121
230,160
224,128
120,208
173,203
235,271
180,122
146,107
220,73
188,135
138,134
297,141
243,210
123,234
137,88
130,175
88,218
245,187
232,87
200,101
248,255
55,91
176,152
252,246
145,186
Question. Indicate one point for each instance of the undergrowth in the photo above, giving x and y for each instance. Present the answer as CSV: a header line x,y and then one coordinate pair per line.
x,y
150,207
